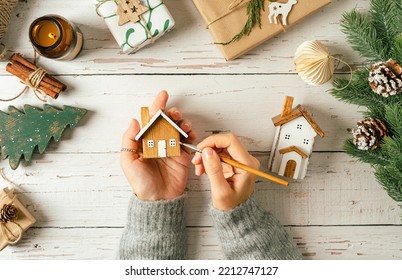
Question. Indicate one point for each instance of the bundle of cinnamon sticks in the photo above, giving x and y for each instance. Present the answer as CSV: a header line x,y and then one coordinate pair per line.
x,y
22,68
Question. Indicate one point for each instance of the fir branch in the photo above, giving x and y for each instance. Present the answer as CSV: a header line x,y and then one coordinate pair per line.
x,y
396,50
393,117
362,35
391,180
254,8
358,92
385,21
374,158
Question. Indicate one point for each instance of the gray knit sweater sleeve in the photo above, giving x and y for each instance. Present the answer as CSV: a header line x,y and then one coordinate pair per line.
x,y
154,230
249,232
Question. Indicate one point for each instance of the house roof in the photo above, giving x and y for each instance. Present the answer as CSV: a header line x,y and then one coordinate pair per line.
x,y
295,113
153,119
293,149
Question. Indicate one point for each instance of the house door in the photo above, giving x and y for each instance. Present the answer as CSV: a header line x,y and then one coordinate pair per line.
x,y
290,169
162,148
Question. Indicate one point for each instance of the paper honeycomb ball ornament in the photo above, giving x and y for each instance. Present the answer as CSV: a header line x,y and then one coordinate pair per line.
x,y
369,133
313,62
385,78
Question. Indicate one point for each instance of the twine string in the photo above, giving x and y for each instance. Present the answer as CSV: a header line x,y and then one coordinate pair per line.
x,y
32,82
3,51
236,4
340,60
6,7
12,185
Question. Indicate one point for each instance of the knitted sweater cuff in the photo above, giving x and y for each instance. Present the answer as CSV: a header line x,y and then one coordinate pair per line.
x,y
249,232
160,215
155,230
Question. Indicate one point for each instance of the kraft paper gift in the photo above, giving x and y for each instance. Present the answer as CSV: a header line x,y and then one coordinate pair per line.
x,y
11,231
226,18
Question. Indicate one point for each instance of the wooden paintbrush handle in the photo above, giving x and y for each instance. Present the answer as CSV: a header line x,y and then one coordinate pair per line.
x,y
254,171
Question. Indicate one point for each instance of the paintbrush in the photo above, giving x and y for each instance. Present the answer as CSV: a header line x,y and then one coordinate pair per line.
x,y
242,166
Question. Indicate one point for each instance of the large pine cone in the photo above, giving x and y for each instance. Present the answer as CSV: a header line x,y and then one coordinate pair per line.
x,y
369,133
8,213
386,78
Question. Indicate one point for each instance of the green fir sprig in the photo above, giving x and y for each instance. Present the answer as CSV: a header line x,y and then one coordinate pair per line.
x,y
254,8
376,37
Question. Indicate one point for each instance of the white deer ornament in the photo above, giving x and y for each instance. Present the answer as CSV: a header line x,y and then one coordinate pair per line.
x,y
276,9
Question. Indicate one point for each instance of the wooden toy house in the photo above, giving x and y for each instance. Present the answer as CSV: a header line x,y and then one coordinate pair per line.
x,y
294,141
160,135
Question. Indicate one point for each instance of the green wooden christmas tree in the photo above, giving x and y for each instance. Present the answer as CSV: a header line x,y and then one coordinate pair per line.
x,y
22,131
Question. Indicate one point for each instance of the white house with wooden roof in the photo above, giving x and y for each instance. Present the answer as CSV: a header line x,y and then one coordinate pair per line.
x,y
160,135
293,142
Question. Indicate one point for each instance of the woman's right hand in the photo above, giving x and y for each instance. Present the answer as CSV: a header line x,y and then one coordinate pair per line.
x,y
227,192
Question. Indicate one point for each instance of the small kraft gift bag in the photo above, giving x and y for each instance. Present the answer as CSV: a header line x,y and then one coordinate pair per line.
x,y
14,218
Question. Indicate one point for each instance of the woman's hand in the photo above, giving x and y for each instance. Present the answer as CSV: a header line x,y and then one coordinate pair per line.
x,y
160,178
229,186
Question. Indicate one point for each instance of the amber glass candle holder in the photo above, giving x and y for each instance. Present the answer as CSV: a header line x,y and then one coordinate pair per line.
x,y
54,37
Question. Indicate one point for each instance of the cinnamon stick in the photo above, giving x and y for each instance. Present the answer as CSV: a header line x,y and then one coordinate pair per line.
x,y
16,57
26,71
23,75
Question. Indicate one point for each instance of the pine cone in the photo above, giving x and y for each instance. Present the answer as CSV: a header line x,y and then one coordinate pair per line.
x,y
386,78
369,133
8,213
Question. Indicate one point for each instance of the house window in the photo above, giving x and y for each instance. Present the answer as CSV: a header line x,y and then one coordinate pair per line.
x,y
150,143
306,141
299,126
287,136
172,142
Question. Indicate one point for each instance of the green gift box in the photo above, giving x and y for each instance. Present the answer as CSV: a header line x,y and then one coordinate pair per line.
x,y
143,30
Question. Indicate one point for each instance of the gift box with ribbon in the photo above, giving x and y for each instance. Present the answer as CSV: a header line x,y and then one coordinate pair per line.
x,y
14,218
135,23
237,26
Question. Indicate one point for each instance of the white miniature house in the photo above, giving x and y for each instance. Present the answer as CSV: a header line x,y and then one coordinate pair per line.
x,y
294,140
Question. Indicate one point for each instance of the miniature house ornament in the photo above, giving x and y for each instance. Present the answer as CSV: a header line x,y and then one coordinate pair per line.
x,y
160,135
294,141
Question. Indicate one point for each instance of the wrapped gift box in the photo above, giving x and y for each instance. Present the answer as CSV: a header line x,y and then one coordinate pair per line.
x,y
225,19
13,229
133,36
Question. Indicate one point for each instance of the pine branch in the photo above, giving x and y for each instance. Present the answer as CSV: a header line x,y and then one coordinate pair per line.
x,y
362,35
358,92
374,158
385,21
393,117
391,180
396,51
254,8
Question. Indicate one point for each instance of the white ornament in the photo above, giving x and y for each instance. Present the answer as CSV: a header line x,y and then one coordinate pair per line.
x,y
313,63
276,9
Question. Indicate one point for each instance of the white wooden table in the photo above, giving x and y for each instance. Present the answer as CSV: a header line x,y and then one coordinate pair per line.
x,y
79,195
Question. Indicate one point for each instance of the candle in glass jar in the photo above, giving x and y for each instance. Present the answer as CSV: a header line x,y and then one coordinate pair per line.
x,y
54,37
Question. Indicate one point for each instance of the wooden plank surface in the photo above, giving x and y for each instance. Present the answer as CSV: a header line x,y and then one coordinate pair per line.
x,y
320,243
79,195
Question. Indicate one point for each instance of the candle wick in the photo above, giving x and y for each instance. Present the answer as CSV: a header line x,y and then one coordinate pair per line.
x,y
52,35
